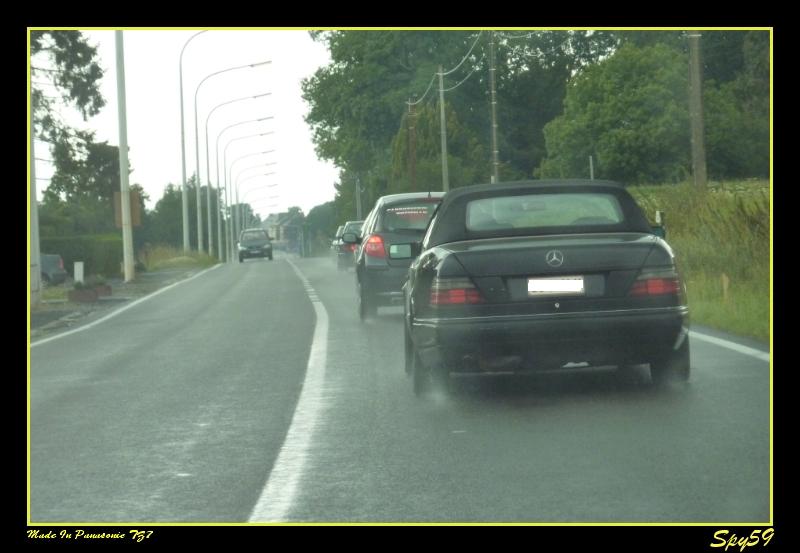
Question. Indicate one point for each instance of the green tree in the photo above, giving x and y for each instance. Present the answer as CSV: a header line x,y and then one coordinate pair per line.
x,y
66,61
629,112
88,171
322,219
65,64
165,221
468,161
358,101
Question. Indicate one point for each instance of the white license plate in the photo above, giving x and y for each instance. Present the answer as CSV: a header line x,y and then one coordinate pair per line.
x,y
556,286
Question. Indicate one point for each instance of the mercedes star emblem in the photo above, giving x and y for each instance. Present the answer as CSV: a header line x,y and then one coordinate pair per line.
x,y
554,258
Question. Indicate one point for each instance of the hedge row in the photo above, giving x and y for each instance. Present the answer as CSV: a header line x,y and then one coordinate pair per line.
x,y
101,253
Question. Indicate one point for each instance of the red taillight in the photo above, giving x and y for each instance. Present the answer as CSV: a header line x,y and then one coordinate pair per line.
x,y
656,283
351,247
454,291
374,246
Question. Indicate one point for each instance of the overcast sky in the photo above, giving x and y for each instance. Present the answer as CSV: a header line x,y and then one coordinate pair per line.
x,y
153,111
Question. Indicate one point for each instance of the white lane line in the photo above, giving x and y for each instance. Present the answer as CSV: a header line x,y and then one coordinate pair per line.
x,y
752,352
276,499
120,310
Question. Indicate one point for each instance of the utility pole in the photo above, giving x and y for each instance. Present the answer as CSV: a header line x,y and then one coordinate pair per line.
x,y
495,163
412,147
445,176
33,222
127,231
696,112
358,198
591,168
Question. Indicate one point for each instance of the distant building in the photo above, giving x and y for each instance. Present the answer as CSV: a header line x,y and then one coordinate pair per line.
x,y
285,229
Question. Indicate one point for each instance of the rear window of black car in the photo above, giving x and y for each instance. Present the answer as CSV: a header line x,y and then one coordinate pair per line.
x,y
543,210
531,209
407,216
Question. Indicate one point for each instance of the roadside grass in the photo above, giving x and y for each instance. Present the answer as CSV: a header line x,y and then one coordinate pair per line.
x,y
721,241
168,257
54,293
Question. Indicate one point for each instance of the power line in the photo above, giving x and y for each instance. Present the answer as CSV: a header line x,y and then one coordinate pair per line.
x,y
467,77
465,57
513,37
425,93
433,78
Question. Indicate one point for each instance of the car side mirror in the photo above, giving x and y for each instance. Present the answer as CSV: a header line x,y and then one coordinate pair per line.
x,y
350,238
404,251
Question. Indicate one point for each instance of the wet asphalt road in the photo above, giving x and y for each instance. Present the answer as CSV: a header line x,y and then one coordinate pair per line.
x,y
178,409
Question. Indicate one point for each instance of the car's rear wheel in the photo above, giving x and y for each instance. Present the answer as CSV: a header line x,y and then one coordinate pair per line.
x,y
673,367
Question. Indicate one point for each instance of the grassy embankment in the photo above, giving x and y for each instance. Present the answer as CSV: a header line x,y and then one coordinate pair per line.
x,y
167,257
721,239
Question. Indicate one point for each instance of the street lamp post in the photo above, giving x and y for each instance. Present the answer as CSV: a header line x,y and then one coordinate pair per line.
x,y
236,185
226,175
238,218
197,144
208,175
247,192
216,153
184,193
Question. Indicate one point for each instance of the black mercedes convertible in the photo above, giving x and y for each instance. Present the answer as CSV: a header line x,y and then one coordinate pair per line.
x,y
539,275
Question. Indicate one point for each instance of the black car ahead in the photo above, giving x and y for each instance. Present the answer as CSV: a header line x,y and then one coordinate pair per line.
x,y
397,218
345,253
538,275
254,242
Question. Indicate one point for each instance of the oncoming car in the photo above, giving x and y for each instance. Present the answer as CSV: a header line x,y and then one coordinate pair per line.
x,y
254,242
537,275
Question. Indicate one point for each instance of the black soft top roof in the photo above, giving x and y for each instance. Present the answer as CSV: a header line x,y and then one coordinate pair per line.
x,y
528,184
451,224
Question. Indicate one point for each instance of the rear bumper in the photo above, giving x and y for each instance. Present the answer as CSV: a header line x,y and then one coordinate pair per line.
x,y
384,285
266,252
551,340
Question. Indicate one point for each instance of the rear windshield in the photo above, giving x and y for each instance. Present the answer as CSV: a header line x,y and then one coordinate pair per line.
x,y
254,235
408,216
353,227
535,211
